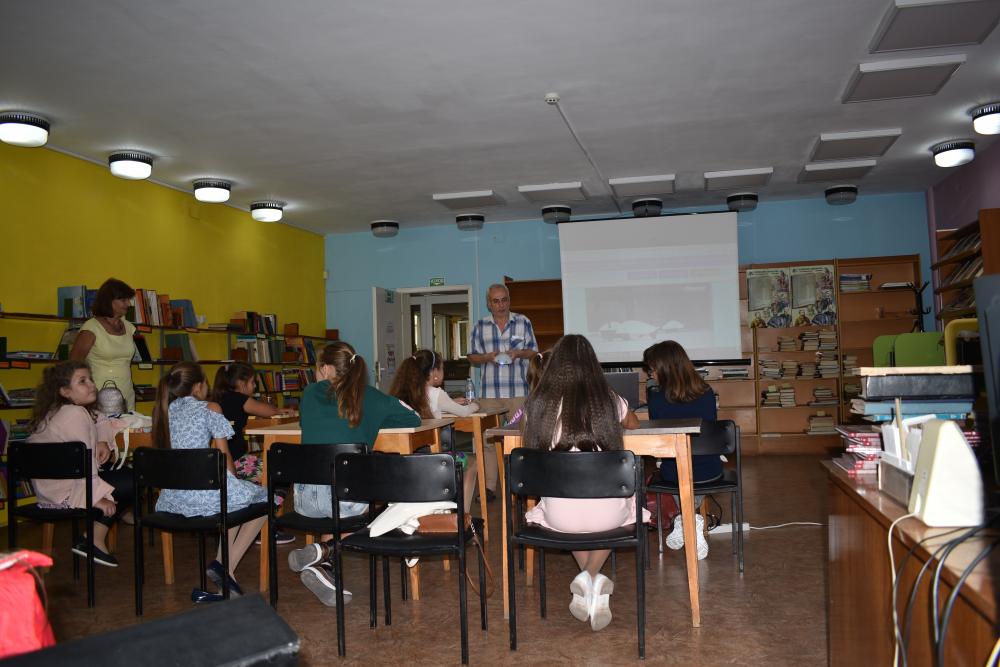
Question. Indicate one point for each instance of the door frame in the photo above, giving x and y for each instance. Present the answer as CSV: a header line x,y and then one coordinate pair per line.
x,y
439,289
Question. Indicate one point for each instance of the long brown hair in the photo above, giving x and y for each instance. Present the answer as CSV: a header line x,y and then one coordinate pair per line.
x,y
228,375
350,382
573,393
410,383
674,372
179,382
48,398
536,367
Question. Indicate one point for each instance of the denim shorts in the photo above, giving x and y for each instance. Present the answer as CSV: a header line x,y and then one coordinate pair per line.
x,y
314,501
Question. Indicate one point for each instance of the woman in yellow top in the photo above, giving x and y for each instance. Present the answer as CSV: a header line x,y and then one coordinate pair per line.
x,y
106,341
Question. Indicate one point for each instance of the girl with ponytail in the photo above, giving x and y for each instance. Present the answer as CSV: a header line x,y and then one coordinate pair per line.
x,y
183,419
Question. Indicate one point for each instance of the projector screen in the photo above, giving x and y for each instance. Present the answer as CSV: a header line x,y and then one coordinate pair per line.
x,y
629,283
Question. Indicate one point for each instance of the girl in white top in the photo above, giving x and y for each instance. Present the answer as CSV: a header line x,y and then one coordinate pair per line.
x,y
418,384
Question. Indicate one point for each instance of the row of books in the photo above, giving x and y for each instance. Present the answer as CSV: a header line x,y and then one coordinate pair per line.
x,y
286,379
855,282
259,350
778,396
824,367
884,411
736,373
249,321
970,243
968,270
148,307
24,487
862,449
822,424
17,398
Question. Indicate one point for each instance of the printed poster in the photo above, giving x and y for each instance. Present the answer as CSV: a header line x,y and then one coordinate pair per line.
x,y
768,292
812,295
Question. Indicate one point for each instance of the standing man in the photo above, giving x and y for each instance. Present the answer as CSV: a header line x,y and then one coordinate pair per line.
x,y
502,343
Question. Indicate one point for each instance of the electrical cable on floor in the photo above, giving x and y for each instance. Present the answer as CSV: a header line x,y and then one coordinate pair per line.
x,y
892,570
946,615
992,660
790,523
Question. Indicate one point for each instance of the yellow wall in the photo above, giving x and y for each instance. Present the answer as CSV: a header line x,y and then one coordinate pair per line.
x,y
66,221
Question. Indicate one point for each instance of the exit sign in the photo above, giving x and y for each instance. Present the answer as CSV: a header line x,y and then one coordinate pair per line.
x,y
437,282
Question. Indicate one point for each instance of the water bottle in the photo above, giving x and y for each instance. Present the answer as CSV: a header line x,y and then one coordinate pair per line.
x,y
470,390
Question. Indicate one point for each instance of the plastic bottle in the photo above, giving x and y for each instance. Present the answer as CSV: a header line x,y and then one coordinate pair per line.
x,y
470,390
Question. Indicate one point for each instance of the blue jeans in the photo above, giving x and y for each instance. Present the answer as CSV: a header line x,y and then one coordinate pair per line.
x,y
316,501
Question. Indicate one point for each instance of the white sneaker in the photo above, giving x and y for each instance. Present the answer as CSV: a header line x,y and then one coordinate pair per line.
x,y
702,542
582,589
320,582
600,603
675,540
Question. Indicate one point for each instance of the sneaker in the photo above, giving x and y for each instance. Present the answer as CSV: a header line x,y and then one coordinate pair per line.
x,y
307,556
320,582
279,538
600,603
100,557
702,542
582,589
216,572
675,540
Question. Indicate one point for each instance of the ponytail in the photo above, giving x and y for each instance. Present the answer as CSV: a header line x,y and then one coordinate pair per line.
x,y
227,376
410,383
350,382
179,382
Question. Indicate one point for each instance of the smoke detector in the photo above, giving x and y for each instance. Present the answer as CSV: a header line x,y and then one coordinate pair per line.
x,y
839,195
470,222
556,213
742,201
644,208
384,229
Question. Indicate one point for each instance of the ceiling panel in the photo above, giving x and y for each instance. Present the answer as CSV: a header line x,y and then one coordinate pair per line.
x,y
919,24
892,79
847,145
738,178
847,170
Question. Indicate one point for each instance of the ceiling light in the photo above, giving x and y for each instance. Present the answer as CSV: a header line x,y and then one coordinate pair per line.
x,y
23,129
384,229
742,201
470,222
644,208
986,118
839,195
953,153
266,210
556,213
212,191
131,165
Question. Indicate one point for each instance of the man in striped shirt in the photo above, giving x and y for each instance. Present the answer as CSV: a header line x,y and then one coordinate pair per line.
x,y
502,343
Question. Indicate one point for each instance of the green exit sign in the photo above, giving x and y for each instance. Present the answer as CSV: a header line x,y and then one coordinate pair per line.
x,y
437,282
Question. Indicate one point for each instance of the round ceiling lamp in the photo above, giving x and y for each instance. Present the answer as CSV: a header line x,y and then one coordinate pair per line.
x,y
986,118
470,222
556,213
23,129
266,210
384,229
841,195
212,191
742,201
953,153
131,165
647,207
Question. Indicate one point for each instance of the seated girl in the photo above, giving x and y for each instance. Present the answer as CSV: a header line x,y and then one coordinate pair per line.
x,y
573,409
681,393
418,384
63,413
536,366
339,408
183,419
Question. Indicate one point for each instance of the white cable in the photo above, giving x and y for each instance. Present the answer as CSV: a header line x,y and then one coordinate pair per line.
x,y
586,153
790,523
892,570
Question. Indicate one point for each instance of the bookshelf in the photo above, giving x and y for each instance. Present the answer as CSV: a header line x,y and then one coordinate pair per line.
x,y
963,255
541,302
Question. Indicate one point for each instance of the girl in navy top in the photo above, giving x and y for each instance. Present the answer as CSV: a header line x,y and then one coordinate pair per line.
x,y
681,393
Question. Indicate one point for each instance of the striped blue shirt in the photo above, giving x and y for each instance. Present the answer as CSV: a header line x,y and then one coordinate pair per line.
x,y
510,380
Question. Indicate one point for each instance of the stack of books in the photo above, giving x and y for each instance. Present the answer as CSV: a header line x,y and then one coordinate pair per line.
x,y
807,369
771,396
253,322
855,282
947,392
823,396
821,424
770,368
789,368
850,363
787,344
828,367
786,396
851,390
828,339
862,449
17,398
736,373
885,410
259,350
810,340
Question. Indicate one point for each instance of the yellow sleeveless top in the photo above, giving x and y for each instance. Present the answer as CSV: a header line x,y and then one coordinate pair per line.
x,y
111,358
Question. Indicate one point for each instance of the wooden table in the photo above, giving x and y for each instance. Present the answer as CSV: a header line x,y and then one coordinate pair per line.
x,y
665,439
394,440
476,424
859,581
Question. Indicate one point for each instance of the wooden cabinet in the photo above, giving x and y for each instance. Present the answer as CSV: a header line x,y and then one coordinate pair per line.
x,y
541,302
963,255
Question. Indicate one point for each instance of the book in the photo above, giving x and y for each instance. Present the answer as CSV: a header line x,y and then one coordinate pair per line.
x,y
31,355
860,406
71,301
188,317
141,350
181,341
918,382
956,416
66,341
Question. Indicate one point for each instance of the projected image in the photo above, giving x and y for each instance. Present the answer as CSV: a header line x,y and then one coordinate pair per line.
x,y
648,312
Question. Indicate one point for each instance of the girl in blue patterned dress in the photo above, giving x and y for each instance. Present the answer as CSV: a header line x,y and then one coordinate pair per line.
x,y
182,419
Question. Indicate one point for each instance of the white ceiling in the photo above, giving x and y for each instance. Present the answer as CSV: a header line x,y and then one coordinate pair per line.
x,y
356,111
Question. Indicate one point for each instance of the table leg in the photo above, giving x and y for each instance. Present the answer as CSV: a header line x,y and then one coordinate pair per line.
x,y
479,446
690,526
167,546
529,554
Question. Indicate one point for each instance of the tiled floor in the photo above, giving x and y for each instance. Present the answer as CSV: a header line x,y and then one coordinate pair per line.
x,y
774,614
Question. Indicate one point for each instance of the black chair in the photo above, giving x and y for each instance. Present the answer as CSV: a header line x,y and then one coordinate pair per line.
x,y
52,460
419,478
190,469
609,474
301,464
720,437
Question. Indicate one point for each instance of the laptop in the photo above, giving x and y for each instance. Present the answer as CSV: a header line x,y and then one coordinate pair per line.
x,y
625,385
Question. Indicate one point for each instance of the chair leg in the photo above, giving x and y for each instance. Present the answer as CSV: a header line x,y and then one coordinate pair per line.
x,y
463,606
91,601
224,544
202,565
541,582
167,546
659,524
385,591
482,589
272,564
48,535
739,503
736,525
150,508
75,537
640,599
511,602
403,579
614,564
372,593
138,557
338,567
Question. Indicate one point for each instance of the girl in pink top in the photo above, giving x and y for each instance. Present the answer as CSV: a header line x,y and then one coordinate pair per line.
x,y
573,409
61,414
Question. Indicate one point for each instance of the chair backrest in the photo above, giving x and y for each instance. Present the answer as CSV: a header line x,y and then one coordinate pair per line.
x,y
418,478
716,437
306,464
534,472
925,348
48,460
193,469
883,350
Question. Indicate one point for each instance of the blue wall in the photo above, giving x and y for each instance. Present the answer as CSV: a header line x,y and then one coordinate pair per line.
x,y
791,230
